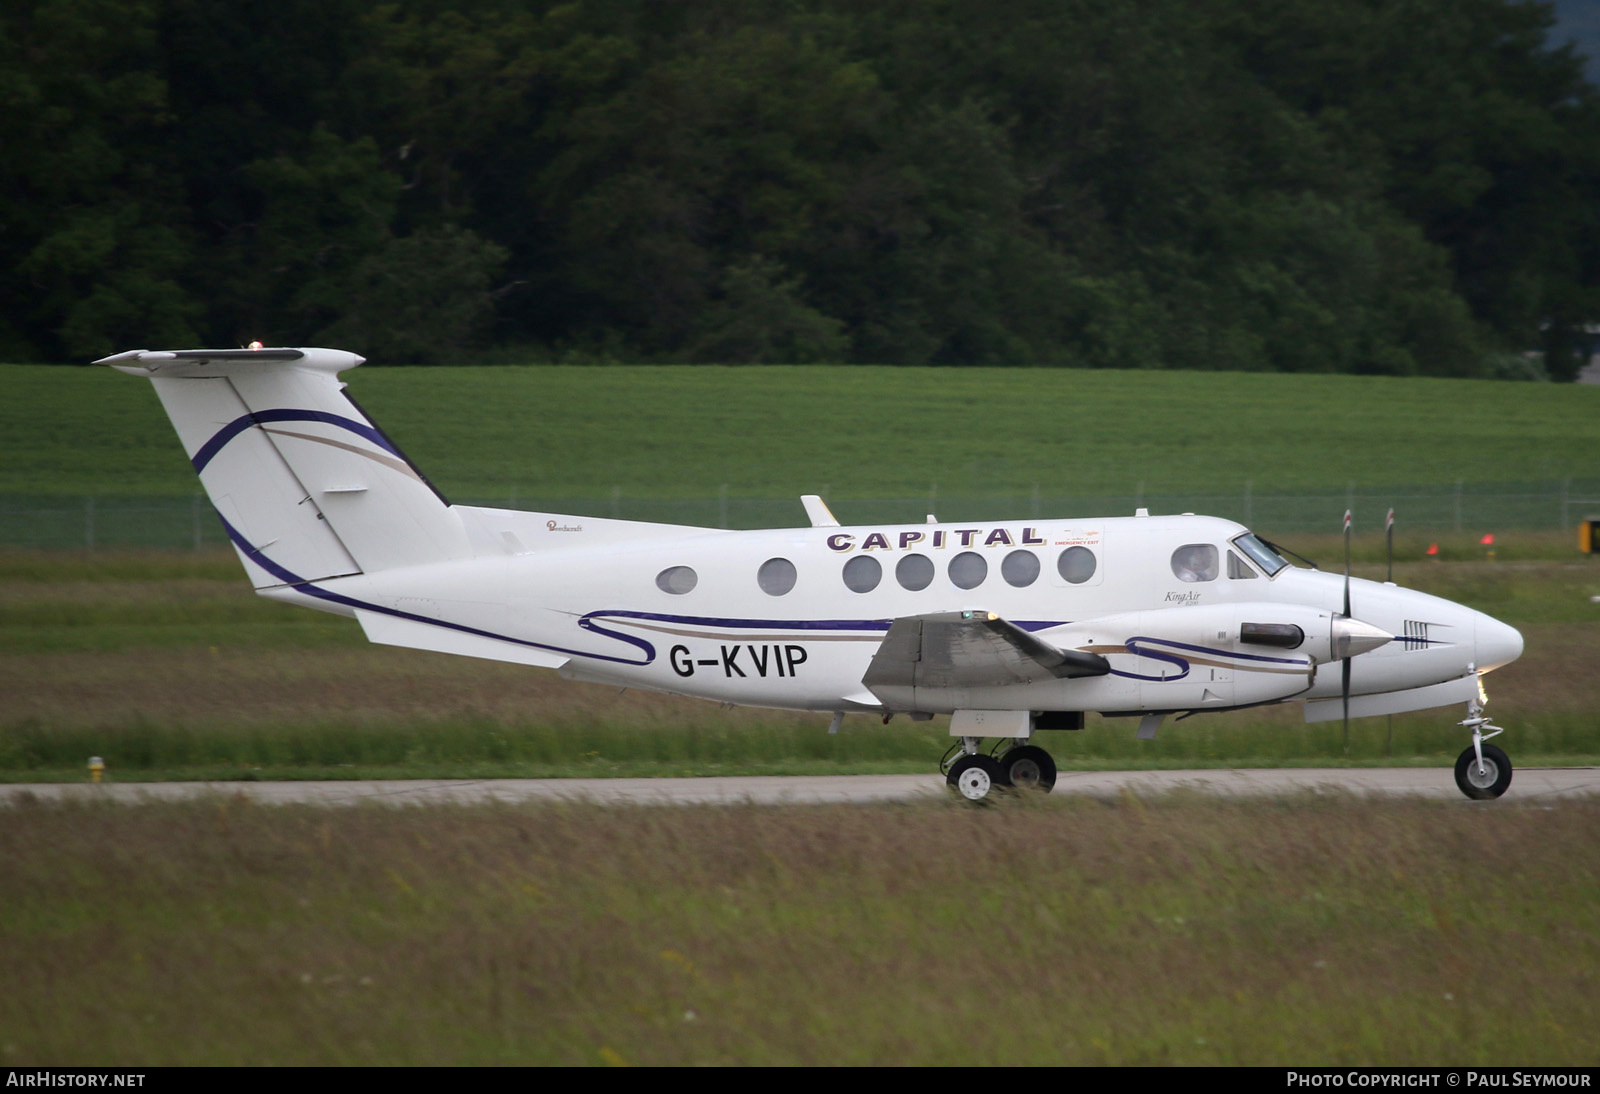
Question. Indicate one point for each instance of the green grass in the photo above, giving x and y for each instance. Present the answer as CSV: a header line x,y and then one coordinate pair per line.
x,y
1309,930
858,432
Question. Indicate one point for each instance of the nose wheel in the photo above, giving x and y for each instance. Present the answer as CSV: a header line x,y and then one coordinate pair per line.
x,y
1483,777
1482,771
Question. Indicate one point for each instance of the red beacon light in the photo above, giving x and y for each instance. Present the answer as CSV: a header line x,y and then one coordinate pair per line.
x,y
255,345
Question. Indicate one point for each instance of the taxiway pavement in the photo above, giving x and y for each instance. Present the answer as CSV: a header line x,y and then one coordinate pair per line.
x,y
1529,784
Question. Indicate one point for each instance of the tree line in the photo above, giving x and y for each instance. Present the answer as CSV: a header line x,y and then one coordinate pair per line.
x,y
1374,186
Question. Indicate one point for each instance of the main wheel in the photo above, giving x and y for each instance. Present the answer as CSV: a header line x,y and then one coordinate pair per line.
x,y
976,777
1029,767
1488,781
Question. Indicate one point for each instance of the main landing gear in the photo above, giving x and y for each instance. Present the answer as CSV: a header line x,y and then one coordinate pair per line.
x,y
1482,771
977,776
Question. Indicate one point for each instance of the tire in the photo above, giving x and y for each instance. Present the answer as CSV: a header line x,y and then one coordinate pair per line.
x,y
1029,767
1488,783
976,778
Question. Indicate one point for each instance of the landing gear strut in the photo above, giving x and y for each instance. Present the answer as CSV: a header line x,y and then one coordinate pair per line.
x,y
1482,771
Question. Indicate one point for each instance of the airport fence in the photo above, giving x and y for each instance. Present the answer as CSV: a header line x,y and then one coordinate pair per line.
x,y
106,522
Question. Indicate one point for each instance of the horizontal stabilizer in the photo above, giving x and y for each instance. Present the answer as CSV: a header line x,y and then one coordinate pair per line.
x,y
389,630
214,363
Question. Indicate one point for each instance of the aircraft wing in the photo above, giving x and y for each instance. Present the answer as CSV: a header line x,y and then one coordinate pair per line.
x,y
967,650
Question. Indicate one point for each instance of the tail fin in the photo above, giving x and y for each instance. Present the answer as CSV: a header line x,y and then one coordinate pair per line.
x,y
307,486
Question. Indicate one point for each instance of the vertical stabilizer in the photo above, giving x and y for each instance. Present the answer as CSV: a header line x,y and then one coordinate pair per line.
x,y
308,486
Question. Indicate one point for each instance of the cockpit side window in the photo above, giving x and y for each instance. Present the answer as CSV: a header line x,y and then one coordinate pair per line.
x,y
1238,569
1269,560
1195,562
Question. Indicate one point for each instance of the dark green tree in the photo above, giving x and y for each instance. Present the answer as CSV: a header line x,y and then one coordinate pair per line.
x,y
94,240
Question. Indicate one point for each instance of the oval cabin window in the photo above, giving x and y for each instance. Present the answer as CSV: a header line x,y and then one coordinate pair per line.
x,y
677,580
862,574
776,576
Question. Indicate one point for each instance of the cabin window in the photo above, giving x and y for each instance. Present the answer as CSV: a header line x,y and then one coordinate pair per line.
x,y
862,574
776,576
1076,565
968,569
1237,569
914,572
1020,568
1195,562
677,580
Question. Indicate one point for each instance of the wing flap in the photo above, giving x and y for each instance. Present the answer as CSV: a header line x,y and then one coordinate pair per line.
x,y
970,650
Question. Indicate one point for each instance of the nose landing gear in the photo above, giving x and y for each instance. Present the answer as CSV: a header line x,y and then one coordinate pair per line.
x,y
1482,771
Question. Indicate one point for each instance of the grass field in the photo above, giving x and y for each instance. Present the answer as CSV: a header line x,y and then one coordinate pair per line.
x,y
852,432
1315,930
168,666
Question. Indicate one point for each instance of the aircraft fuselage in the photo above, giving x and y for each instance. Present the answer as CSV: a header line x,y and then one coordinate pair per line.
x,y
591,593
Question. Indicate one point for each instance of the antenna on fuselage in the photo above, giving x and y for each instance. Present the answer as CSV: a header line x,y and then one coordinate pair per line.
x,y
817,512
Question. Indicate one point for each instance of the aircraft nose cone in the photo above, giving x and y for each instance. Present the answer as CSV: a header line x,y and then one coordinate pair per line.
x,y
1352,636
1496,643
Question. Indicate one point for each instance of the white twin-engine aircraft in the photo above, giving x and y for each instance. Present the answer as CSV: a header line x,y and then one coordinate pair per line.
x,y
1009,627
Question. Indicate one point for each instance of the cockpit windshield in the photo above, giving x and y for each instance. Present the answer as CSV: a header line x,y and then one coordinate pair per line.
x,y
1262,555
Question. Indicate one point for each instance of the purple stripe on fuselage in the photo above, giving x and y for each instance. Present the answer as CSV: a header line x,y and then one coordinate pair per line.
x,y
1207,649
742,624
1135,646
777,624
219,440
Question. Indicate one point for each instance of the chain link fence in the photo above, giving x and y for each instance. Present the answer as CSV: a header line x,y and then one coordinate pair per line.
x,y
105,522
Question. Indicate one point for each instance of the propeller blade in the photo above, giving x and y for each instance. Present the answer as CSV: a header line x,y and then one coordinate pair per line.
x,y
1388,535
1345,691
1344,671
1347,563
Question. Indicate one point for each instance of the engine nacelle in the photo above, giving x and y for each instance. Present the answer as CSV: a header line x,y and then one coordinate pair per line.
x,y
1215,655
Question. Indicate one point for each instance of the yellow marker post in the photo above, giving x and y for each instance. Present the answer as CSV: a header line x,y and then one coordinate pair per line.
x,y
96,767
